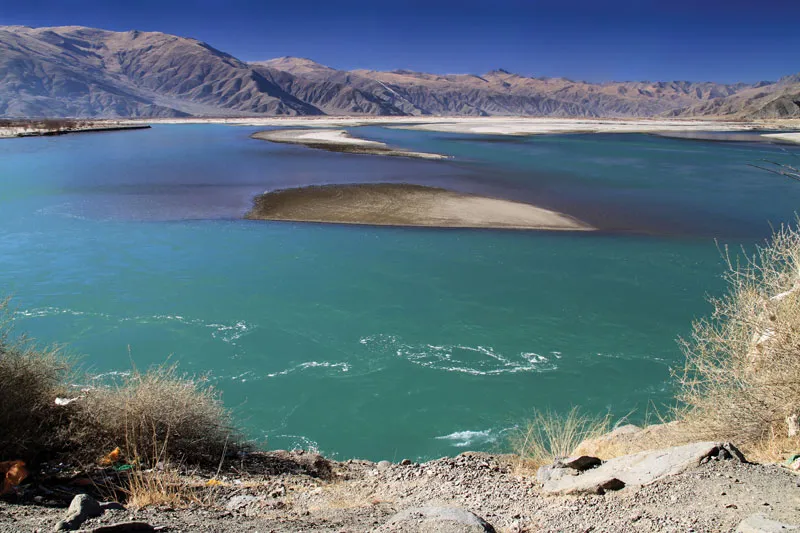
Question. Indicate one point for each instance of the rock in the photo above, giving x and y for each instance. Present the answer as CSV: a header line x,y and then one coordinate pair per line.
x,y
640,469
793,425
241,501
758,523
553,472
384,465
82,508
580,463
439,519
125,527
405,462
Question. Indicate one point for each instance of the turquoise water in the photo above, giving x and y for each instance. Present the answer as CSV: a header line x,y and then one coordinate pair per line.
x,y
379,342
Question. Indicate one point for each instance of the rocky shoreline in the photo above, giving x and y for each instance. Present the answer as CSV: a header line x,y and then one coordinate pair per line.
x,y
713,489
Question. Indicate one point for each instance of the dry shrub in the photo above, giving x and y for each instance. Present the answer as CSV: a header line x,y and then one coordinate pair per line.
x,y
154,415
549,436
30,381
159,487
742,374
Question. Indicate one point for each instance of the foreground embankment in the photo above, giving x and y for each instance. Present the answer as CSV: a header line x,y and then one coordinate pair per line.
x,y
702,487
390,204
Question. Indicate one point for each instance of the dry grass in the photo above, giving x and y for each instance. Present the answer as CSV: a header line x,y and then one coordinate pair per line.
x,y
742,375
30,381
156,414
148,415
549,436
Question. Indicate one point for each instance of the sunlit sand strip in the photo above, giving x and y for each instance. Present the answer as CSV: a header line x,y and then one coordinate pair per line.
x,y
555,126
387,204
338,141
788,137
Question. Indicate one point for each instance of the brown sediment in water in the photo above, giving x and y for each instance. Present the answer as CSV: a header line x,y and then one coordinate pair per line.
x,y
391,204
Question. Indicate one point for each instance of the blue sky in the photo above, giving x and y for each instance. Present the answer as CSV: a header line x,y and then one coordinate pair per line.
x,y
733,40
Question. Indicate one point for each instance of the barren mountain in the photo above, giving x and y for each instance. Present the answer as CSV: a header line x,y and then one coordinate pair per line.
x,y
76,71
85,72
762,100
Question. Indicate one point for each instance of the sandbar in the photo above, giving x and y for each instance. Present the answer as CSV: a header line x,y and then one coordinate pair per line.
x,y
399,204
787,137
338,141
31,130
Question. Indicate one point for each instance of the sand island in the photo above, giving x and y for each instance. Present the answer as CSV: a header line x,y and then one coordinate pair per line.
x,y
338,141
400,204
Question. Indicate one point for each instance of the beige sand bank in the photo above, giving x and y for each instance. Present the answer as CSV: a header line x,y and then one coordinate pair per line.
x,y
541,126
788,137
499,125
387,204
32,131
338,141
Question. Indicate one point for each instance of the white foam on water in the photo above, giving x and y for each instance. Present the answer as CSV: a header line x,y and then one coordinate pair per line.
x,y
341,367
297,442
474,360
474,438
228,333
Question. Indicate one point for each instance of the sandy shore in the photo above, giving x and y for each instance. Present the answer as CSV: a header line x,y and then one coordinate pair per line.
x,y
386,204
541,126
788,137
338,141
500,125
25,131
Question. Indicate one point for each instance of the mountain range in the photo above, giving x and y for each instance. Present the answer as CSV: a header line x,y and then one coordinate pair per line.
x,y
74,71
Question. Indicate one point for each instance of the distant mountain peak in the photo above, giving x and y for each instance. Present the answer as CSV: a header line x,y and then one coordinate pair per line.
x,y
75,71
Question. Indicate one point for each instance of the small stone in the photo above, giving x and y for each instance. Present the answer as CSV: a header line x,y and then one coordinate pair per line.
x,y
384,465
405,462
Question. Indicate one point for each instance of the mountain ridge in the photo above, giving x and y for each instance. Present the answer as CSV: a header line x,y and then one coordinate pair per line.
x,y
76,71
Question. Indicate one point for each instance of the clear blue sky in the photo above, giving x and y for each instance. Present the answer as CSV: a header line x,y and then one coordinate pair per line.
x,y
732,40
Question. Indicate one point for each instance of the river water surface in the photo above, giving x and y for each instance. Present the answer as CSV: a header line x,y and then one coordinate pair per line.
x,y
380,343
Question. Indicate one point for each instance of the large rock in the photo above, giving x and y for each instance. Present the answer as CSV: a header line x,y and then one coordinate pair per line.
x,y
758,523
640,468
439,519
82,508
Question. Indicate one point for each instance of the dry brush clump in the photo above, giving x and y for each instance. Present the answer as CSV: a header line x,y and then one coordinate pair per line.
x,y
548,436
157,416
30,380
741,380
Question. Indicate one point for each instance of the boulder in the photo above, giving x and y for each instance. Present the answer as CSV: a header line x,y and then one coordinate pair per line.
x,y
641,468
758,523
82,508
439,519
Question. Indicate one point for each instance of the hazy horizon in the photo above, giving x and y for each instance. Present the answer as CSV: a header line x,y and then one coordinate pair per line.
x,y
618,41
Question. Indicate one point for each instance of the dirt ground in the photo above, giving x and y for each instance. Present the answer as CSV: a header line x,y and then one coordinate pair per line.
x,y
293,492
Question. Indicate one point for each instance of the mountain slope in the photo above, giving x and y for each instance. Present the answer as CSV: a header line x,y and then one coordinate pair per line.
x,y
75,71
502,93
763,100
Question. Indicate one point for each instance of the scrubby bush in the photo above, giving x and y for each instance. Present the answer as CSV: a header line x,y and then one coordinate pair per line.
x,y
155,416
548,436
741,381
30,380
152,416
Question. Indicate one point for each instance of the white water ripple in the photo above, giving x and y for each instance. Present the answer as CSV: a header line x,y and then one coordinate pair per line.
x,y
475,360
228,333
